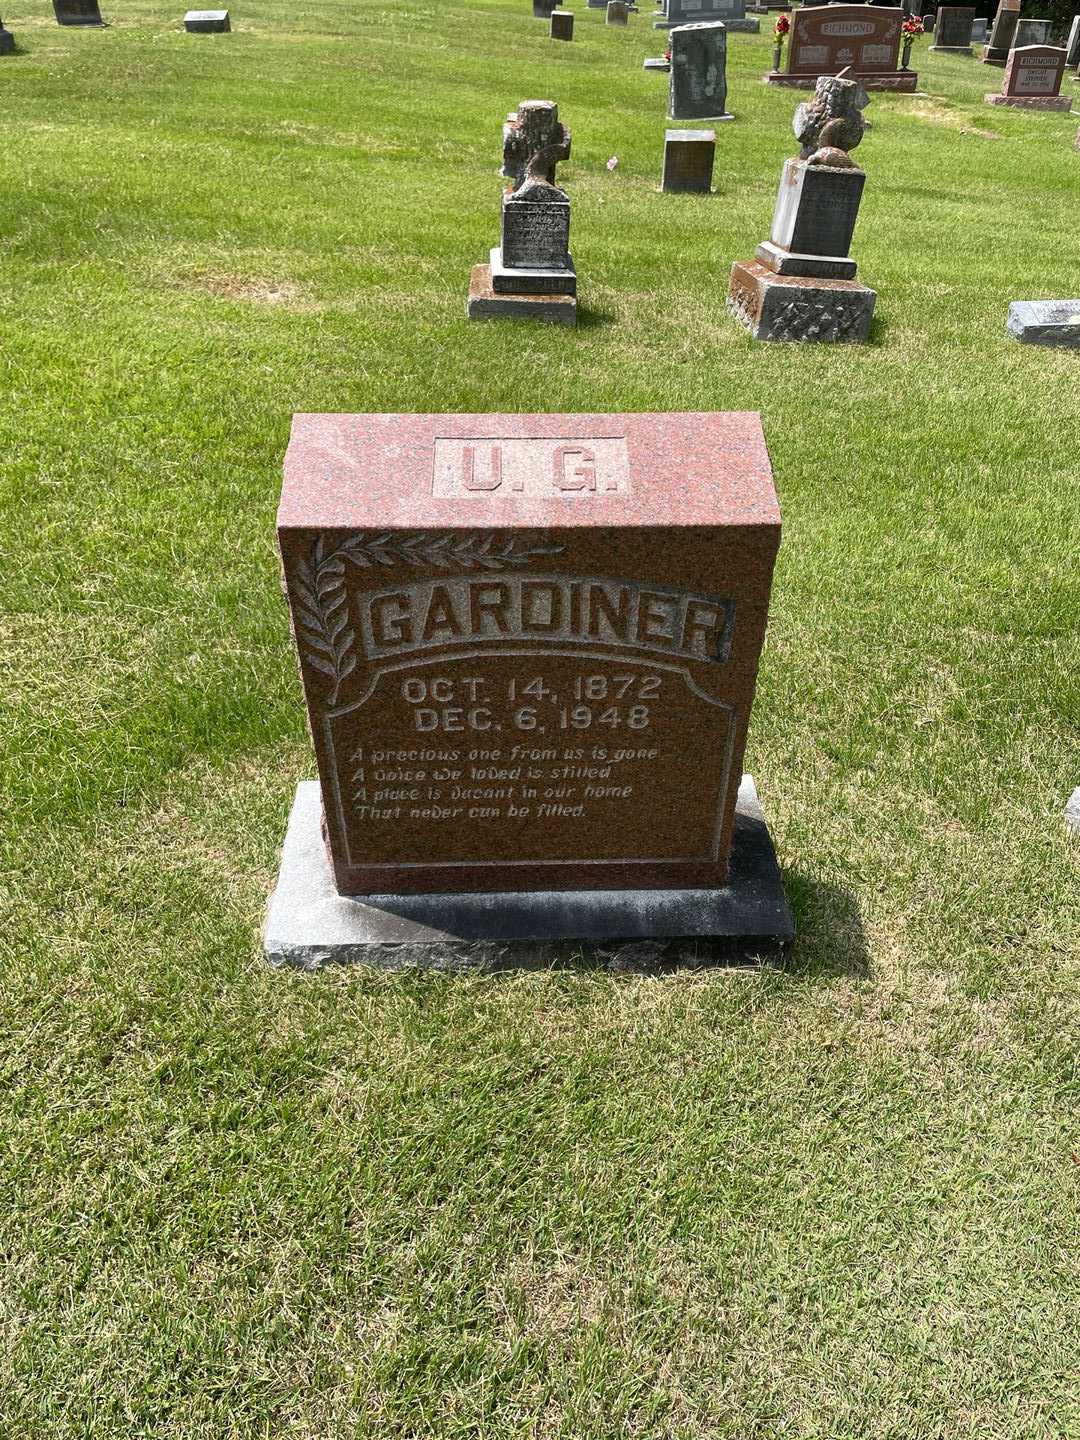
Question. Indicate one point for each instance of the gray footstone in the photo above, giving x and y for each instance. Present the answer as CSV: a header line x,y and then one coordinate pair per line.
x,y
1045,322
1072,812
310,926
207,22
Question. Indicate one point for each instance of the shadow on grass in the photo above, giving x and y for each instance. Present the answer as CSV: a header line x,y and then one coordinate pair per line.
x,y
829,935
593,319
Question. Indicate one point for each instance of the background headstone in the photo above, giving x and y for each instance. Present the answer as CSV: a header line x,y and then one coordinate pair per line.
x,y
1031,32
562,25
7,40
953,28
978,31
864,39
697,84
688,161
618,12
699,12
1002,32
542,8
77,12
1032,79
1072,45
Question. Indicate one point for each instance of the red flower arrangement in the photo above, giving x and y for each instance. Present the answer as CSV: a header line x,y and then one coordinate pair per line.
x,y
912,26
780,33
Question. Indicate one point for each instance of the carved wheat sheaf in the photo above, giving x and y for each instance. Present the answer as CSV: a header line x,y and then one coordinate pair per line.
x,y
322,612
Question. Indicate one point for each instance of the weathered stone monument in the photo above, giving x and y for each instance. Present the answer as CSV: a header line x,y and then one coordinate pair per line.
x,y
1045,322
1032,80
529,647
531,273
207,22
697,82
978,31
77,12
1002,32
618,12
801,284
688,161
953,32
1031,32
863,40
700,12
562,25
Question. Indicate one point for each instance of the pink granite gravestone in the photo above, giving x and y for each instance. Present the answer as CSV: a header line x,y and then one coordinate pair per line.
x,y
1032,80
529,646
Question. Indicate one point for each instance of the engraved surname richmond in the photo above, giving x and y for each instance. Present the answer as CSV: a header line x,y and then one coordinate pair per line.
x,y
567,468
431,614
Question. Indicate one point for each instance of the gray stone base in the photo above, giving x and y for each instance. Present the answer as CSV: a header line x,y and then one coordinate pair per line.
x,y
698,119
309,925
793,307
484,304
995,55
1031,102
791,262
901,82
516,280
207,22
659,64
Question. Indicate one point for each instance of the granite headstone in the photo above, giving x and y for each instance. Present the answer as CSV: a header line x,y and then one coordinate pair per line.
x,y
562,25
861,40
1045,322
207,22
1032,80
1002,32
697,84
953,29
77,12
529,647
688,161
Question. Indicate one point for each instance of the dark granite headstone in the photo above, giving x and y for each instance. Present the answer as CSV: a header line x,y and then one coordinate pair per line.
x,y
688,161
535,235
562,25
1002,32
953,29
1072,45
697,85
7,40
816,208
1031,32
618,12
542,8
77,12
701,12
979,28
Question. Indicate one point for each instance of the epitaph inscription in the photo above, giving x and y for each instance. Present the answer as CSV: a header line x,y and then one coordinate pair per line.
x,y
535,233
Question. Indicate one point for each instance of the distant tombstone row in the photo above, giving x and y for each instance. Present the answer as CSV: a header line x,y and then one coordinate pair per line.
x,y
863,40
1032,79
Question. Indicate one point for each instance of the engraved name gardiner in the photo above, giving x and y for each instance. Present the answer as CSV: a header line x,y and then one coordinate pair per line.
x,y
552,609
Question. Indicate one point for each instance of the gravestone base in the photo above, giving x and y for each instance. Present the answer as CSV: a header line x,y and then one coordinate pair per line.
x,y
484,304
1045,322
794,307
899,81
1031,102
519,280
712,119
951,50
995,55
310,926
660,64
791,262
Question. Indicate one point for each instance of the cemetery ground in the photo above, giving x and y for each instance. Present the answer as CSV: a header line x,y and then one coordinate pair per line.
x,y
833,1199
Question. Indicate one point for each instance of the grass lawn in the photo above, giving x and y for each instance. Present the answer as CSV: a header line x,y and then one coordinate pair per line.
x,y
837,1200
